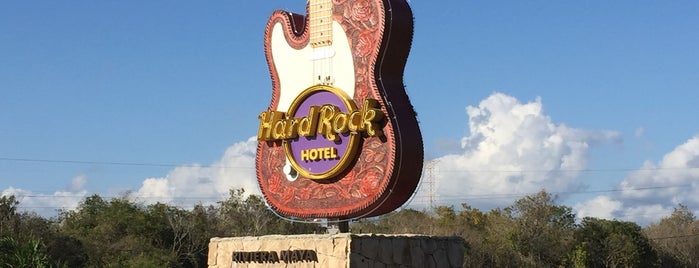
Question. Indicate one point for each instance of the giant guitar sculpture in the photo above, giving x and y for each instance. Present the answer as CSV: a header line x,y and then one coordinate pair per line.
x,y
340,138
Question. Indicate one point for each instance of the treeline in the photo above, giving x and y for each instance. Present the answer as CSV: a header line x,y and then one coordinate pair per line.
x,y
536,232
122,233
532,232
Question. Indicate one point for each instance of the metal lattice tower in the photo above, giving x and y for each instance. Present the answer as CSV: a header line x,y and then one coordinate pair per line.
x,y
430,180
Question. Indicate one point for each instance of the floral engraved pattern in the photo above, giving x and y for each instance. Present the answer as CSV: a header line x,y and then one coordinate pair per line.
x,y
354,194
365,44
361,11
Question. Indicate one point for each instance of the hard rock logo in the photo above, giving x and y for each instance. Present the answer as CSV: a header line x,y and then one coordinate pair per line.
x,y
325,111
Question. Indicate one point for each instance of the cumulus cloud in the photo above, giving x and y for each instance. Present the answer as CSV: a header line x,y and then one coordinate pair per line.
x,y
645,214
183,186
189,185
652,191
47,205
514,148
603,207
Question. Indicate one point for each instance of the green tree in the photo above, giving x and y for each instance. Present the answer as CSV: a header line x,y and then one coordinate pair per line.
x,y
543,230
185,233
22,236
30,253
398,222
60,249
199,227
119,233
677,237
472,225
9,220
500,232
446,220
614,244
242,215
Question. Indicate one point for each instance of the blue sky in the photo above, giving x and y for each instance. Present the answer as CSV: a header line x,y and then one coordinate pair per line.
x,y
157,97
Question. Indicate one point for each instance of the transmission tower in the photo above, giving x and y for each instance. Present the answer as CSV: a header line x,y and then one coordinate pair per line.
x,y
430,180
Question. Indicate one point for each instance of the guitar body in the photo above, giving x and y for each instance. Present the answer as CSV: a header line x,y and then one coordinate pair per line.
x,y
363,60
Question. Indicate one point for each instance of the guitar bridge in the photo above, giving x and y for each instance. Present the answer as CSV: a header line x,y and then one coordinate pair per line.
x,y
325,80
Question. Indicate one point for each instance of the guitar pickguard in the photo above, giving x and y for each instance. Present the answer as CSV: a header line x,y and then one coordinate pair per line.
x,y
295,66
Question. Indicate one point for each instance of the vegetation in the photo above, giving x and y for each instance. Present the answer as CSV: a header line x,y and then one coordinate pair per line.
x,y
536,232
532,232
122,233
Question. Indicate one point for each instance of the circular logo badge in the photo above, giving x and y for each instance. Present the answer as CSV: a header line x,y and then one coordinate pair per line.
x,y
325,145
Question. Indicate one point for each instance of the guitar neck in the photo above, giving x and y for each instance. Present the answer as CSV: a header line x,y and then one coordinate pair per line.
x,y
320,23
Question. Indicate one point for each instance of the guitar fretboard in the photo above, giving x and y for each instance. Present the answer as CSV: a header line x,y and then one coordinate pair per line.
x,y
320,23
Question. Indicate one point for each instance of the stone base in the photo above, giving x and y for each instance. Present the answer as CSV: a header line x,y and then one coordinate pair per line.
x,y
340,250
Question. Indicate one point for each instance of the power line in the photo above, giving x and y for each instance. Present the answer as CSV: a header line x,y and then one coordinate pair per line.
x,y
567,170
429,202
672,237
112,197
118,163
112,163
510,195
450,197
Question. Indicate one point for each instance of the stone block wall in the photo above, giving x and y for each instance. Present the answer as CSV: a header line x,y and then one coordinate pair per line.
x,y
340,250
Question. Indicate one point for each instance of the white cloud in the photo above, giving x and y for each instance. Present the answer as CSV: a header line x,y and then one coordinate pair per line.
x,y
514,148
183,186
645,214
47,204
602,207
77,184
651,192
189,185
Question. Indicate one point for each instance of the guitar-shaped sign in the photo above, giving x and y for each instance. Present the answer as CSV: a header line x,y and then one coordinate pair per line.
x,y
340,138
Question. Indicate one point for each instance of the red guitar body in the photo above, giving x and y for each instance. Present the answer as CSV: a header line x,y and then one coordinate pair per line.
x,y
387,169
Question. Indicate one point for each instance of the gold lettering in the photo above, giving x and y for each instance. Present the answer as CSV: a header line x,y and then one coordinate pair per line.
x,y
371,116
278,130
354,122
291,129
333,153
317,154
313,154
267,119
308,124
327,112
326,120
340,123
326,153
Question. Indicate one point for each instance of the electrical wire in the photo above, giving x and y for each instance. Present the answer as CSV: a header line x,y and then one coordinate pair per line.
x,y
119,163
